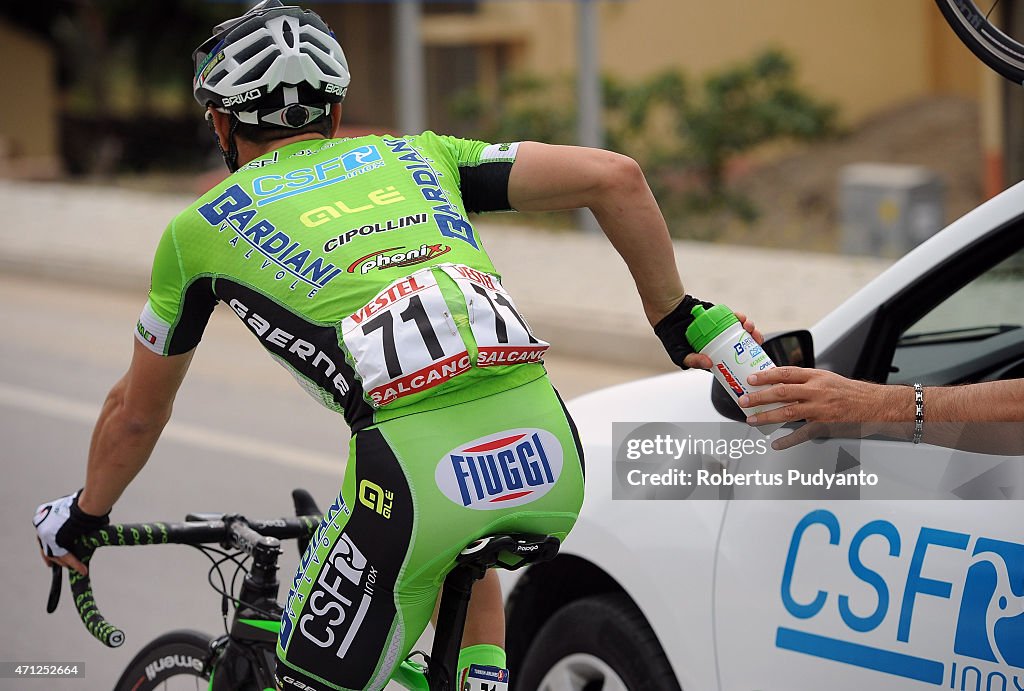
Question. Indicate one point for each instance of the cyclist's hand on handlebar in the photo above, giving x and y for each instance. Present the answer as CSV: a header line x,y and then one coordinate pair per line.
x,y
58,523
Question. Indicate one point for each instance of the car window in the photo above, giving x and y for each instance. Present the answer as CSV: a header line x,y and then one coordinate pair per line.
x,y
976,333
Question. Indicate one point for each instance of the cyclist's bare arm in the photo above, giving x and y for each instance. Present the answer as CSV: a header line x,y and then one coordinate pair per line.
x,y
547,178
130,422
132,418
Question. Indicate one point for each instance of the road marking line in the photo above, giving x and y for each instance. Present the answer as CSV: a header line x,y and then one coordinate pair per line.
x,y
68,409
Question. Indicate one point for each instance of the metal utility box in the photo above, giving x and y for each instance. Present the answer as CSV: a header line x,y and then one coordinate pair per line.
x,y
886,210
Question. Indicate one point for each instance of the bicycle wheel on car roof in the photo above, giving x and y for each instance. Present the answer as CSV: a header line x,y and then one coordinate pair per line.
x,y
982,28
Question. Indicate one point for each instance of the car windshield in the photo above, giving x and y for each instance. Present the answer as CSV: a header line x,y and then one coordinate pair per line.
x,y
970,334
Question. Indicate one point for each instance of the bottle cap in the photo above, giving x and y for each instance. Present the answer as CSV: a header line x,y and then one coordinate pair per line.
x,y
708,324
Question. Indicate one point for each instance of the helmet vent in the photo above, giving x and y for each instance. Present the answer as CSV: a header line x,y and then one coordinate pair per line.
x,y
248,50
324,67
254,73
288,35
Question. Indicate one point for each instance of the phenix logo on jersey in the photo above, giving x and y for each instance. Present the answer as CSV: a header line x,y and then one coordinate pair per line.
x,y
501,470
287,257
390,258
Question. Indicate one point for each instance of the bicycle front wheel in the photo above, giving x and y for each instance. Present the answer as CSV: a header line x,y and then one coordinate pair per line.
x,y
988,42
175,660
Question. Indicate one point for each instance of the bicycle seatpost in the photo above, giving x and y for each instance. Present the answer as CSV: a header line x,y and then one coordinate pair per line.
x,y
451,623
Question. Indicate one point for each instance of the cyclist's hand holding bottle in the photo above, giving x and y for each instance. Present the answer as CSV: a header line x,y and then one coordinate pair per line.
x,y
671,330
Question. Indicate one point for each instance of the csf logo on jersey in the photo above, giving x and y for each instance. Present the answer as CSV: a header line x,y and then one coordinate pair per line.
x,y
501,470
338,600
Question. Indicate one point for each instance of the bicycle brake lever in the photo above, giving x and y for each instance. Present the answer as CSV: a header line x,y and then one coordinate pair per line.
x,y
54,599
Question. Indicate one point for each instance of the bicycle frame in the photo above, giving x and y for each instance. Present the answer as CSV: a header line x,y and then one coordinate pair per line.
x,y
245,658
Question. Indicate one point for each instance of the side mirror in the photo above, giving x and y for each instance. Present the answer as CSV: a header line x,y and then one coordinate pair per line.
x,y
793,348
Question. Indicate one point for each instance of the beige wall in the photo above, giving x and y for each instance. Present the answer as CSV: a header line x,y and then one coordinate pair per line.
x,y
865,55
364,31
28,122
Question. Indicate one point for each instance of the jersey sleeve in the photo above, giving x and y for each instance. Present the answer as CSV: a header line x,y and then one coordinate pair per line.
x,y
484,170
179,307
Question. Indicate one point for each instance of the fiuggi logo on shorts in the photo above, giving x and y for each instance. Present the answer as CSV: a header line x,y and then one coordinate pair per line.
x,y
510,468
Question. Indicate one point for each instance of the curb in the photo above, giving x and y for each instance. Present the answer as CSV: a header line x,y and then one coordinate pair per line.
x,y
571,338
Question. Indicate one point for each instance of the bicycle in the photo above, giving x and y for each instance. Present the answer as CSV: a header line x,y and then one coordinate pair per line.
x,y
984,38
243,658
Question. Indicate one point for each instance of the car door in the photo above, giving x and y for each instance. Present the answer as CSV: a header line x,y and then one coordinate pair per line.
x,y
894,593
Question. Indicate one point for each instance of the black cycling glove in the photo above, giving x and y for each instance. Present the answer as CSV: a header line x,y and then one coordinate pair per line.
x,y
59,523
672,329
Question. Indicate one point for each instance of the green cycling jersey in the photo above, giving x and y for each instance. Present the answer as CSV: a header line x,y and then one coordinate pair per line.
x,y
356,265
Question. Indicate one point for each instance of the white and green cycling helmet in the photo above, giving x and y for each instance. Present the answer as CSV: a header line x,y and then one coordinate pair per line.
x,y
275,66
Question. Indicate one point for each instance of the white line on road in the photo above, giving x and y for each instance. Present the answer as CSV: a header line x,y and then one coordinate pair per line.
x,y
68,409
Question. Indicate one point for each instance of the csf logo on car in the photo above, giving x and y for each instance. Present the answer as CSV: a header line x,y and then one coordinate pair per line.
x,y
501,470
964,591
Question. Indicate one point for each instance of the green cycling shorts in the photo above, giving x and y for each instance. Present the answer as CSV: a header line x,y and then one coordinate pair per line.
x,y
417,490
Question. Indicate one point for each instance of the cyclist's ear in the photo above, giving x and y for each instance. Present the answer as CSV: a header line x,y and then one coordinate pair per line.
x,y
335,120
220,125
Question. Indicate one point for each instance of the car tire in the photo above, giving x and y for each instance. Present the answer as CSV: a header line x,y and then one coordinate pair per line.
x,y
600,643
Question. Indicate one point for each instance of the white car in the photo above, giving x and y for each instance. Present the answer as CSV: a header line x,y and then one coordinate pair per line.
x,y
750,594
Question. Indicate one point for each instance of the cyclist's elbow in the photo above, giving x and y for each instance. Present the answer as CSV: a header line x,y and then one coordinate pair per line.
x,y
144,423
620,179
135,419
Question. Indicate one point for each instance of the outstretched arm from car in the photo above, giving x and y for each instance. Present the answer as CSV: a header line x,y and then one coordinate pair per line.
x,y
822,396
834,406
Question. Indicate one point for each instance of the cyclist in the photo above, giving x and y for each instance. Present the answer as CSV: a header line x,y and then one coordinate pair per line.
x,y
355,264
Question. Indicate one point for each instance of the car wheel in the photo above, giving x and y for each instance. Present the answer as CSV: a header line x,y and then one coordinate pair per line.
x,y
598,643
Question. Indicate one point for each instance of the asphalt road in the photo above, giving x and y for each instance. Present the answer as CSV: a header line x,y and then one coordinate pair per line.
x,y
243,435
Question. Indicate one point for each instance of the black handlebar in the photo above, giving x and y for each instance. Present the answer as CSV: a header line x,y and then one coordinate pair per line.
x,y
255,538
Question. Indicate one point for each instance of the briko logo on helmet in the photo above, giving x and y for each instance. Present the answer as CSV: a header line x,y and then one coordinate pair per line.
x,y
242,98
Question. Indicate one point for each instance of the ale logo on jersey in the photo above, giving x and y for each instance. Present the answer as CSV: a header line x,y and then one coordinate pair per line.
x,y
501,470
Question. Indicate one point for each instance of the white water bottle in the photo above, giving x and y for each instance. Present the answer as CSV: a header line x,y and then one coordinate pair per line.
x,y
735,355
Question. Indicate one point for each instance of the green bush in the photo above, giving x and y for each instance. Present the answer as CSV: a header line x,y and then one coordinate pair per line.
x,y
683,136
